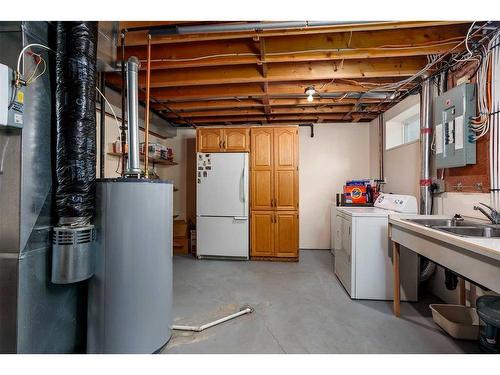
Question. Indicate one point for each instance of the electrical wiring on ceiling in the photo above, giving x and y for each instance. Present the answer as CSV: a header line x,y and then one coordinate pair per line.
x,y
432,61
481,124
319,50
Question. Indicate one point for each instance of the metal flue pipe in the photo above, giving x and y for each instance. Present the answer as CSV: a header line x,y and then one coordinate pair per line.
x,y
133,166
146,125
425,144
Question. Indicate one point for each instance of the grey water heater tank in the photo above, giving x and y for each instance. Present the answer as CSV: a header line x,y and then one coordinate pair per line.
x,y
130,295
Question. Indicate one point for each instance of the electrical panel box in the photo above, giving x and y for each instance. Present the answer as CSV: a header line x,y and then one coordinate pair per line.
x,y
454,139
11,99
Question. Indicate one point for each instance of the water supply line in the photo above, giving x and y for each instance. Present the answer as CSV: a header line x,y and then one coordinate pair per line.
x,y
243,311
133,166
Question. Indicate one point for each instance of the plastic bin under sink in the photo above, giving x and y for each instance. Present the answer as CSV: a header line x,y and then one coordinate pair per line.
x,y
460,322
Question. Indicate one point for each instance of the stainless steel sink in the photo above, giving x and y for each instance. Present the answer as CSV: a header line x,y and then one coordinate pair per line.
x,y
466,228
476,231
444,222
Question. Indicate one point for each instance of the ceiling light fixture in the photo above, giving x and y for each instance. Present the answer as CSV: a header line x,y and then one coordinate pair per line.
x,y
310,91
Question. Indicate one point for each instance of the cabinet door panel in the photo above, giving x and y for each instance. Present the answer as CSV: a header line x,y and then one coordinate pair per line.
x,y
285,148
210,140
262,148
262,234
286,242
262,190
236,140
285,190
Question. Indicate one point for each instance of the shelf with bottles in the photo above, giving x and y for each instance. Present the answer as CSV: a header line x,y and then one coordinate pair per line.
x,y
155,161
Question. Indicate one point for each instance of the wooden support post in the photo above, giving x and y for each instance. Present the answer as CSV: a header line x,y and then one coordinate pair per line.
x,y
463,291
397,290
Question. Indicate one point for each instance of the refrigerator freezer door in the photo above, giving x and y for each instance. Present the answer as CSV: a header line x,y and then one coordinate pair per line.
x,y
222,184
222,237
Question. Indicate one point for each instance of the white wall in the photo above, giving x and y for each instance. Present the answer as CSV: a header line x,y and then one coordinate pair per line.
x,y
178,173
374,134
337,152
402,163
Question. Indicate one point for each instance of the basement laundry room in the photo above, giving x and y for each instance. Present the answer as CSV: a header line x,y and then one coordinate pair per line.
x,y
239,185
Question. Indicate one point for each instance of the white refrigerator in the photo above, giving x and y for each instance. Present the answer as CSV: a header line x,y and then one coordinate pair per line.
x,y
222,225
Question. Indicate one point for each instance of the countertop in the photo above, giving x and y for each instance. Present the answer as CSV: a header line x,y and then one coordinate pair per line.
x,y
489,247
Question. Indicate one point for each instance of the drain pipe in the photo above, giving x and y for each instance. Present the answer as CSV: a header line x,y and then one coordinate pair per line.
x,y
427,267
425,144
243,311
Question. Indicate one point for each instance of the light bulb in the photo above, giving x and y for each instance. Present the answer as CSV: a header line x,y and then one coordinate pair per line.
x,y
310,98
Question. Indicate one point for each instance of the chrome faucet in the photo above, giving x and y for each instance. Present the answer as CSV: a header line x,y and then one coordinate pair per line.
x,y
493,215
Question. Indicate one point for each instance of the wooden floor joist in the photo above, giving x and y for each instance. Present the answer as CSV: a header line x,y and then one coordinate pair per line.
x,y
260,76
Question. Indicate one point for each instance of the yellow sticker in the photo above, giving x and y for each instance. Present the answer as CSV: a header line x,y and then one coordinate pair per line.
x,y
20,97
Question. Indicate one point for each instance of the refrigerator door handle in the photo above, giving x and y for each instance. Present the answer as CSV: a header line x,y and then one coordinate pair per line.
x,y
243,183
240,218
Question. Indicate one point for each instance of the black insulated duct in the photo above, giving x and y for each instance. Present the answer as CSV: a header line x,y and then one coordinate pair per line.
x,y
76,72
76,59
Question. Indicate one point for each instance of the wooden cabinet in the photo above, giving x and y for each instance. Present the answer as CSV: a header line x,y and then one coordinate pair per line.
x,y
261,166
209,140
223,140
236,140
274,168
286,234
262,233
274,234
274,192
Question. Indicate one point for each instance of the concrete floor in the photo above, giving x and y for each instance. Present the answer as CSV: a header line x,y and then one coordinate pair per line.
x,y
299,308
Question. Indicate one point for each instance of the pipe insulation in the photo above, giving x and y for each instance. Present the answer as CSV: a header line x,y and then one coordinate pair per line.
x,y
243,311
76,71
133,167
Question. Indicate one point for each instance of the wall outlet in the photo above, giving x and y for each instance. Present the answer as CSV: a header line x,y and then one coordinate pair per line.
x,y
440,186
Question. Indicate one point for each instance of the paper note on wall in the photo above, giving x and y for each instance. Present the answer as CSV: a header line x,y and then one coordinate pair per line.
x,y
459,133
439,139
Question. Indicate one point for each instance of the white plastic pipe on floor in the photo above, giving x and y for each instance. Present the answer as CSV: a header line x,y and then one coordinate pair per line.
x,y
243,311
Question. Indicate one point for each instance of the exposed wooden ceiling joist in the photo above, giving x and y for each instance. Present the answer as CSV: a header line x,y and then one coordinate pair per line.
x,y
275,110
321,70
137,38
231,91
273,118
386,43
182,107
260,76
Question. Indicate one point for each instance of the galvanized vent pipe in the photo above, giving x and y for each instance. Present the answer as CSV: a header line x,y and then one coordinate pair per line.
x,y
250,26
425,144
133,166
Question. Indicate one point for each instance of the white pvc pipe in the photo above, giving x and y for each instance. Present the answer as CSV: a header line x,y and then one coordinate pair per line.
x,y
247,310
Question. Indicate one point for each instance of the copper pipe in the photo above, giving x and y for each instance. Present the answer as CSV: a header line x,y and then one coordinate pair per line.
x,y
146,125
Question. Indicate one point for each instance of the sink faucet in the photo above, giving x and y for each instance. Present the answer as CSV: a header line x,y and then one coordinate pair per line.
x,y
493,215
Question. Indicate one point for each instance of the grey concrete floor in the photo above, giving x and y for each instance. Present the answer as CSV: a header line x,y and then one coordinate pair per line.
x,y
299,308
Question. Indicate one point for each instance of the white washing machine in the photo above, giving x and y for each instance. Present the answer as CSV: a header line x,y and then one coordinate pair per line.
x,y
363,252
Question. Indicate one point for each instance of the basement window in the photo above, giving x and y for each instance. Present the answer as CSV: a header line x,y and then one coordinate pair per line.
x,y
403,128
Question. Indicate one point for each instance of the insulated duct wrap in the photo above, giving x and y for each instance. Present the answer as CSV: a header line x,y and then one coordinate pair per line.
x,y
76,73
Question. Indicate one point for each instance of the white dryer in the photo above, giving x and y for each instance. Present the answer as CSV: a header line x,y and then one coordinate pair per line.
x,y
363,252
